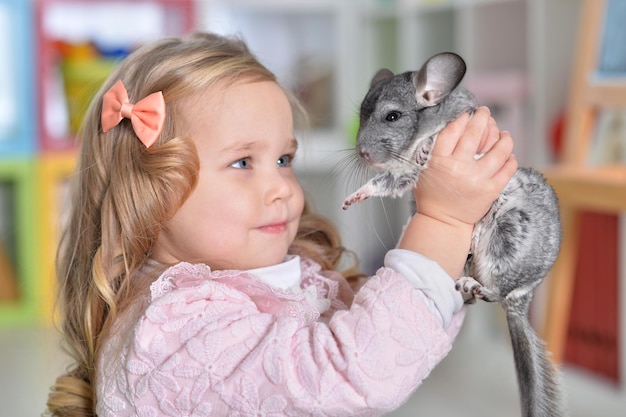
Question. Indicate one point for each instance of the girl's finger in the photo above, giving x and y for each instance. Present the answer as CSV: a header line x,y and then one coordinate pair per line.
x,y
498,155
470,141
450,135
503,176
490,137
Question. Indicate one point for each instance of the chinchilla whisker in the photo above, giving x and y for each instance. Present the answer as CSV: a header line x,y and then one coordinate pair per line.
x,y
391,233
371,226
343,161
352,171
346,161
398,156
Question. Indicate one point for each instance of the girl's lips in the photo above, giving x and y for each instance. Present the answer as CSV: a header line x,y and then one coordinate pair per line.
x,y
274,228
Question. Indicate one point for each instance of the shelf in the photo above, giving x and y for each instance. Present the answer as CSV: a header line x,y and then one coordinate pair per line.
x,y
53,174
80,42
36,144
587,188
426,6
283,6
299,45
17,127
607,92
19,240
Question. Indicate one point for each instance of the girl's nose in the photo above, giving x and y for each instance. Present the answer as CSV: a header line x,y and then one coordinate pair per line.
x,y
277,187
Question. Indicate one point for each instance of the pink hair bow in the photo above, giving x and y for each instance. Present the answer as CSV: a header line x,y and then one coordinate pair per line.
x,y
147,116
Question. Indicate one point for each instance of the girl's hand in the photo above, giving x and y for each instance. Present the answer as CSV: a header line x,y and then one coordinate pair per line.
x,y
457,189
458,186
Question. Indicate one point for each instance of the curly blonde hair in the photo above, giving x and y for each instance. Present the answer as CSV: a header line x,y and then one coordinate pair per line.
x,y
125,193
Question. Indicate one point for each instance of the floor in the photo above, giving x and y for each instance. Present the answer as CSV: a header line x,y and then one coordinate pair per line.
x,y
476,380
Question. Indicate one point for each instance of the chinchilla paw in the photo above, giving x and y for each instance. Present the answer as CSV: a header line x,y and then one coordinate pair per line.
x,y
354,198
470,289
423,155
361,194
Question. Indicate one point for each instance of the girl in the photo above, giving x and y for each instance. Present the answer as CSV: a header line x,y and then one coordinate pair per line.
x,y
195,282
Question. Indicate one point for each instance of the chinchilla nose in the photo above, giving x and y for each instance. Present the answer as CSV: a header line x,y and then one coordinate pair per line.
x,y
364,153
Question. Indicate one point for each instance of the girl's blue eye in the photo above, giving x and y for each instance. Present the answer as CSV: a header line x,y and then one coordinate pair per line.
x,y
285,161
243,163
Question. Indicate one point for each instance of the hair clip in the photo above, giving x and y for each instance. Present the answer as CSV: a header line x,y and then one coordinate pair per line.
x,y
147,115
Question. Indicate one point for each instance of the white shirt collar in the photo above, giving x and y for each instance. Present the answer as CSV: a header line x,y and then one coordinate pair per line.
x,y
283,275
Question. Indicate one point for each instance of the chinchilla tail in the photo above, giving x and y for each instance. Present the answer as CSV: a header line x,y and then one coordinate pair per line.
x,y
538,378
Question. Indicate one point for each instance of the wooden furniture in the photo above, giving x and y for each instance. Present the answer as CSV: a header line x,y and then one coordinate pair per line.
x,y
53,175
8,282
581,187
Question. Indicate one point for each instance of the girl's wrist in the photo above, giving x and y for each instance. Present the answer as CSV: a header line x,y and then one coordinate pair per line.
x,y
446,241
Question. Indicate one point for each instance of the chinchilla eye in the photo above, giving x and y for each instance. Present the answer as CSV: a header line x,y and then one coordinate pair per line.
x,y
392,116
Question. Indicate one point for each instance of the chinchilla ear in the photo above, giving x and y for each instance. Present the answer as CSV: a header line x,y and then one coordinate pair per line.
x,y
381,74
437,78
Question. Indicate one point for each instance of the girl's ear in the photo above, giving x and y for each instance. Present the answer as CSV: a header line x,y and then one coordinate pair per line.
x,y
437,78
381,74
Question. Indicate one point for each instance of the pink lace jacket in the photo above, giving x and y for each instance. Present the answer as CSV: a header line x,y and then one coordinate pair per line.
x,y
225,343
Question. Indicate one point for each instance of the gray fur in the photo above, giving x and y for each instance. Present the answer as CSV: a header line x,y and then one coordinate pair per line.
x,y
513,246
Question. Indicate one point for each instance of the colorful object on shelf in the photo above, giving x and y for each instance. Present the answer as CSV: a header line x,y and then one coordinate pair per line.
x,y
8,279
18,175
83,70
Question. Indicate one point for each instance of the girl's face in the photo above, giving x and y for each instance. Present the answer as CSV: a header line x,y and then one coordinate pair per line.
x,y
244,212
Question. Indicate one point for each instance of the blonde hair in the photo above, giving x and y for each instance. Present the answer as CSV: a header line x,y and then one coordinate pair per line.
x,y
125,193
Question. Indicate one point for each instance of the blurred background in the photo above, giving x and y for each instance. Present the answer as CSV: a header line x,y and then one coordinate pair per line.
x,y
530,61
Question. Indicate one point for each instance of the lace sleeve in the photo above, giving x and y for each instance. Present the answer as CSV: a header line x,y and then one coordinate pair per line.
x,y
205,346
